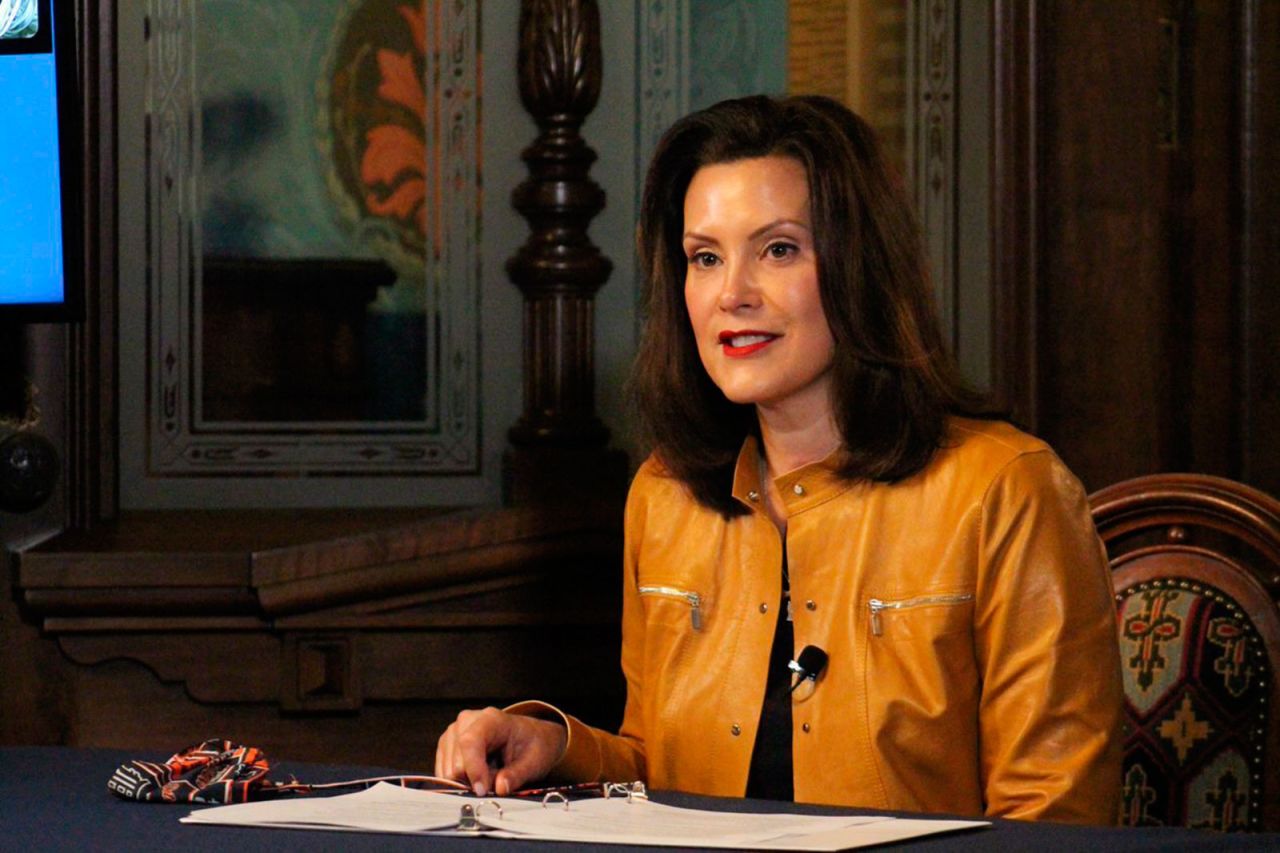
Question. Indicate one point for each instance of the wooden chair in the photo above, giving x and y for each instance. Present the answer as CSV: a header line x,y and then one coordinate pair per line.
x,y
1196,563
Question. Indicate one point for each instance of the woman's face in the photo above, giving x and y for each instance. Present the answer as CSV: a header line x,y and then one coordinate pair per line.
x,y
752,286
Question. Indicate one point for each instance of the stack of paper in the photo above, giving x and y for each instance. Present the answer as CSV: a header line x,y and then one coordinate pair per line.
x,y
616,820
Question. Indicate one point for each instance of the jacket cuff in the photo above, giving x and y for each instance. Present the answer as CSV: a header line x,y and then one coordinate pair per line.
x,y
580,761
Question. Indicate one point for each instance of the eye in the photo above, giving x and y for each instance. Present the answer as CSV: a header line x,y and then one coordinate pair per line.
x,y
781,250
703,259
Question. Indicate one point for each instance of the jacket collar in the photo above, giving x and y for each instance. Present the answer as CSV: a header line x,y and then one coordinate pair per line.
x,y
801,489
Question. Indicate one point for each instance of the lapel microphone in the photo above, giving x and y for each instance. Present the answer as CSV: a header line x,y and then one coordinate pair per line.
x,y
808,665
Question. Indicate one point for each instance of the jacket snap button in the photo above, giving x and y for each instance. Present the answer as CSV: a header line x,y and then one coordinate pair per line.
x,y
806,728
764,608
753,496
811,605
798,489
736,729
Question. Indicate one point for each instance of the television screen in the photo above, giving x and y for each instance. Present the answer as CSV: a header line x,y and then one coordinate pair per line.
x,y
38,161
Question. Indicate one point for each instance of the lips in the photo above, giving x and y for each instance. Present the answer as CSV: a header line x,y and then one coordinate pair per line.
x,y
743,343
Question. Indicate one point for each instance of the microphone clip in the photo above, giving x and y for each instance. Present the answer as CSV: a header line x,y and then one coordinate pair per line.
x,y
808,666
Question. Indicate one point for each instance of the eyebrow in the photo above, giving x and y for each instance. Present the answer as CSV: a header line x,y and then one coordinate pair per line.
x,y
763,229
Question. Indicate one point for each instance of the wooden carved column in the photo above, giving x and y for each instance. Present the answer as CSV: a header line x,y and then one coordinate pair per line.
x,y
559,445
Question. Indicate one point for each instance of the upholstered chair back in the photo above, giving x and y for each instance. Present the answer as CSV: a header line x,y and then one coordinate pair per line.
x,y
1196,571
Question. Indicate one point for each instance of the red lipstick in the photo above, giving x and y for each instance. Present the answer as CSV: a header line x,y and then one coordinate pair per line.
x,y
738,344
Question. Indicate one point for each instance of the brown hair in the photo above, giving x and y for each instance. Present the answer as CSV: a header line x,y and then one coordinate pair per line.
x,y
894,381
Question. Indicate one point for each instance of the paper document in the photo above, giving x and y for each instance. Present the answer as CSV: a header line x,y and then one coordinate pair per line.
x,y
381,808
615,820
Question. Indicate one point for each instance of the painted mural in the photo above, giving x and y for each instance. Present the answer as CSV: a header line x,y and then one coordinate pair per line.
x,y
313,192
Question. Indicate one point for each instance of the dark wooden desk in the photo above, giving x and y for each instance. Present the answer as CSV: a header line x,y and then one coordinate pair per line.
x,y
54,798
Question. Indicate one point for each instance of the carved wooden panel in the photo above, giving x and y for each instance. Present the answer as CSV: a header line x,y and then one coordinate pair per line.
x,y
559,269
1132,330
219,618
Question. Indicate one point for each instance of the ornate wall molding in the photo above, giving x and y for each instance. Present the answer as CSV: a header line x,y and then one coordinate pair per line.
x,y
180,441
662,73
931,142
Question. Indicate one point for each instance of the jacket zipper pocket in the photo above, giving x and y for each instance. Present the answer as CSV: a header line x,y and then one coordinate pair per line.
x,y
877,605
695,601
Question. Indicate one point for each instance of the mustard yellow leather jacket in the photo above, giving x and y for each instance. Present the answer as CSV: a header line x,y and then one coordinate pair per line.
x,y
967,612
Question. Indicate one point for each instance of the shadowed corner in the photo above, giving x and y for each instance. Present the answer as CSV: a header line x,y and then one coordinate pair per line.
x,y
13,383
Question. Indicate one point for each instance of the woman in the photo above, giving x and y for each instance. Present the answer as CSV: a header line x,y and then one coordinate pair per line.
x,y
821,477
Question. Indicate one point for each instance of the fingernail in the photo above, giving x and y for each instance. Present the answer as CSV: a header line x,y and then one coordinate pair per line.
x,y
478,787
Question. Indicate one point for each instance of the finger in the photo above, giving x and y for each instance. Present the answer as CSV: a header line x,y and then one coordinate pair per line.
x,y
521,762
447,754
533,748
482,734
448,765
443,749
504,782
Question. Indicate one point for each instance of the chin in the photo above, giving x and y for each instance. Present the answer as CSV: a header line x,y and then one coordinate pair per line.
x,y
744,397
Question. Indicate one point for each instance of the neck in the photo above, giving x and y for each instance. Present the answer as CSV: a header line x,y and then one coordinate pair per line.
x,y
790,444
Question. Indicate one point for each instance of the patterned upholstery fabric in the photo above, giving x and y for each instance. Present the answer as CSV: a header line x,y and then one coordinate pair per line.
x,y
1196,683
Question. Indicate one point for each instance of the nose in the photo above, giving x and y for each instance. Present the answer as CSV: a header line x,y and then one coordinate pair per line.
x,y
737,289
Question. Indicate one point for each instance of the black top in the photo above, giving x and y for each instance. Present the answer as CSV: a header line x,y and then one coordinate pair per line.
x,y
770,777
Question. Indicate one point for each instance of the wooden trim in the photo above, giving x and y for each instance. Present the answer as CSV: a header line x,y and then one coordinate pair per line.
x,y
1258,249
317,611
1014,209
270,564
559,269
91,370
1161,500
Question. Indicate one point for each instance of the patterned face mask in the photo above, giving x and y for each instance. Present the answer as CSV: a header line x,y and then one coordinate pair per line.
x,y
220,771
216,771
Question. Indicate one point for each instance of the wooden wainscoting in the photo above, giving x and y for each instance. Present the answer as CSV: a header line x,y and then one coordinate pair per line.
x,y
323,635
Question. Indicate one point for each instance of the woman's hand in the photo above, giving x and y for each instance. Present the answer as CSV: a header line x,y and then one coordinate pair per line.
x,y
521,749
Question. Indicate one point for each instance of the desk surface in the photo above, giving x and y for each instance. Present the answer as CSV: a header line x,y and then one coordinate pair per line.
x,y
56,799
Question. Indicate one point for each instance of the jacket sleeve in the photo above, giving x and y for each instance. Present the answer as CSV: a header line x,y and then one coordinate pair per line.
x,y
592,754
1046,643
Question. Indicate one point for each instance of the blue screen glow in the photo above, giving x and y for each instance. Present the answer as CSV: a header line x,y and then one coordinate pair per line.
x,y
31,251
